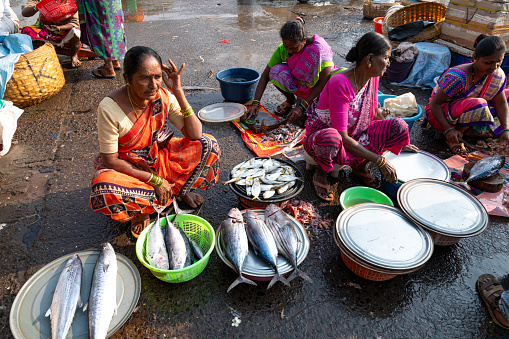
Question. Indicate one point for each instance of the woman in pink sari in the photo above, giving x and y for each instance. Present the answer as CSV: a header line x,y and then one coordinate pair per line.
x,y
471,98
345,126
300,67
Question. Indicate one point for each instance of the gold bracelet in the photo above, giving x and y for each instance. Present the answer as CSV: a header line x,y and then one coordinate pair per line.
x,y
382,163
150,178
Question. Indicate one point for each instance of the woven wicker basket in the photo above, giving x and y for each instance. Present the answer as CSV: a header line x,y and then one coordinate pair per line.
x,y
428,11
37,76
372,10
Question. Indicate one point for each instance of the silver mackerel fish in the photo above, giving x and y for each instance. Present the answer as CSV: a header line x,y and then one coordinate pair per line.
x,y
286,237
66,298
102,302
234,241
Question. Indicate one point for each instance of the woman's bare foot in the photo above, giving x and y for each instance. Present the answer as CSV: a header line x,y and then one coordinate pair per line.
x,y
75,61
139,223
192,199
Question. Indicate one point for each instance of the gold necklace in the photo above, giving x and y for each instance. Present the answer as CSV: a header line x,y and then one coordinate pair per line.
x,y
131,102
473,72
355,81
131,99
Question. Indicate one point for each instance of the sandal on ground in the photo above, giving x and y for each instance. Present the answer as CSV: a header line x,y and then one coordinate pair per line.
x,y
367,178
98,73
142,220
329,194
458,148
283,108
490,290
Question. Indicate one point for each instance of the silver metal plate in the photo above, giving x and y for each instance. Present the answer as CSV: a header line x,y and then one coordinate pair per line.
x,y
383,236
256,266
223,111
419,165
442,207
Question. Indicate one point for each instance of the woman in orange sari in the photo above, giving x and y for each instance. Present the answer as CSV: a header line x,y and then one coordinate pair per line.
x,y
140,165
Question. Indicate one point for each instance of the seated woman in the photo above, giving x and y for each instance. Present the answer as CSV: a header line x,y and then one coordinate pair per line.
x,y
140,165
471,98
345,126
58,33
300,66
8,20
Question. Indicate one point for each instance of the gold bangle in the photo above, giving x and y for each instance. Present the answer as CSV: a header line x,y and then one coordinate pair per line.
x,y
150,178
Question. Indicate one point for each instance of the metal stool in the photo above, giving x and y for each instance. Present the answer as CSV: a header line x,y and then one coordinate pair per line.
x,y
310,163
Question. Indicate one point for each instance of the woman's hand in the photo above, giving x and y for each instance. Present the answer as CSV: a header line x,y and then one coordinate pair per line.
x,y
171,76
295,113
252,111
410,148
53,29
389,172
164,192
505,136
453,136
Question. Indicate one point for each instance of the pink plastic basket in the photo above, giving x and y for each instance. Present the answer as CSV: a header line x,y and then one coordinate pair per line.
x,y
57,10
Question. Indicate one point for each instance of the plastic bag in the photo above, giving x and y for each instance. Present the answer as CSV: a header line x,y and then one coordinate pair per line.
x,y
404,105
9,115
407,51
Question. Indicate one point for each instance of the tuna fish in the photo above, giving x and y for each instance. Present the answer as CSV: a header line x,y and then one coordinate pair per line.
x,y
486,167
156,248
234,241
286,237
263,243
176,246
66,298
102,302
198,253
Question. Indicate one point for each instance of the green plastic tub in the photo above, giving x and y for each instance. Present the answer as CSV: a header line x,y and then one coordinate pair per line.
x,y
362,194
197,229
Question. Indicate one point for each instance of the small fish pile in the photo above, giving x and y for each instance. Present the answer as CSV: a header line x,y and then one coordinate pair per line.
x,y
102,303
283,134
494,147
306,214
263,178
276,235
171,249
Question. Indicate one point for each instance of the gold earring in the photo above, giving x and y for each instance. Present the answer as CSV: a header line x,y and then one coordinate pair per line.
x,y
369,65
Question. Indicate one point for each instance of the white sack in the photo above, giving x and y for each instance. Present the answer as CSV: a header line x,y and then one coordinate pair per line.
x,y
9,115
404,105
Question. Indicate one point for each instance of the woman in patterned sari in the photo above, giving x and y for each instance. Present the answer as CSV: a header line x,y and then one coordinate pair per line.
x,y
345,126
102,28
471,98
140,165
300,67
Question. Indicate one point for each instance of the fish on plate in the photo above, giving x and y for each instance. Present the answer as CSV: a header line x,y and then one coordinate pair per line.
x,y
66,298
235,244
286,238
263,243
102,302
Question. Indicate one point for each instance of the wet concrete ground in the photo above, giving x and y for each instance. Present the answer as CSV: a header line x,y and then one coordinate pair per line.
x,y
46,176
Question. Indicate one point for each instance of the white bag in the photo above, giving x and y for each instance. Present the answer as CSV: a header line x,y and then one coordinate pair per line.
x,y
9,115
401,106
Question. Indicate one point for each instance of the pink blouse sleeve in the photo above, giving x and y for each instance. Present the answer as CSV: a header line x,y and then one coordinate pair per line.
x,y
339,99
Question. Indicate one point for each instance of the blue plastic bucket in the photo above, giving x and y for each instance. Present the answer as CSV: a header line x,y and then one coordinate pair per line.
x,y
238,84
410,120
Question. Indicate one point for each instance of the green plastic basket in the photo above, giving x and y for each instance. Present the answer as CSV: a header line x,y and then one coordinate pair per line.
x,y
197,229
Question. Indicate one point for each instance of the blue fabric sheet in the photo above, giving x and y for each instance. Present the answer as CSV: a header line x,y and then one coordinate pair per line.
x,y
10,50
432,61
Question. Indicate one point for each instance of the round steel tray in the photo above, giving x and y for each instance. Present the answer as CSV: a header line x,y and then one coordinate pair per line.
x,y
254,265
276,198
418,165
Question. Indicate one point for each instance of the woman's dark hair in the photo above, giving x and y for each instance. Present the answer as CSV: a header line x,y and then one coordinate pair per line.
x,y
135,56
371,42
486,45
294,31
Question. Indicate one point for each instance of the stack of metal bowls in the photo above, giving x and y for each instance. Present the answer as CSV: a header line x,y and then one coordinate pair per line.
x,y
255,268
378,242
247,201
446,211
409,166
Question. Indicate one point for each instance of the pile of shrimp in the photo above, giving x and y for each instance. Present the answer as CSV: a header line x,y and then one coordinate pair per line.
x,y
306,214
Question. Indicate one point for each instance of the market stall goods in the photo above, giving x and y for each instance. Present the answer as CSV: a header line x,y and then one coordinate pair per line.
x,y
156,247
235,242
66,298
180,253
486,167
286,238
263,243
102,302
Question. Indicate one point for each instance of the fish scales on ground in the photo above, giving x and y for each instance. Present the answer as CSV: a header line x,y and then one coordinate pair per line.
x,y
235,243
285,236
486,167
156,247
263,243
66,298
102,302
285,133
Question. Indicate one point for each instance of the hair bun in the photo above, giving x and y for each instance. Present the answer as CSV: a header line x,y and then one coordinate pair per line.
x,y
352,55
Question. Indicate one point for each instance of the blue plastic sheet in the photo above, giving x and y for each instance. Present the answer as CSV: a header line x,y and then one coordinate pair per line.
x,y
432,61
11,48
